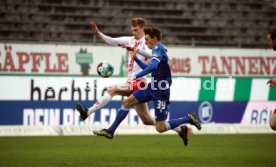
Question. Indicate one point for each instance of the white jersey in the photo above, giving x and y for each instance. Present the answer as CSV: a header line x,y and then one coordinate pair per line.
x,y
133,67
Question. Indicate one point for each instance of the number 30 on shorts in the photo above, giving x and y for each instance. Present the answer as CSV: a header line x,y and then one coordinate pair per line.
x,y
161,105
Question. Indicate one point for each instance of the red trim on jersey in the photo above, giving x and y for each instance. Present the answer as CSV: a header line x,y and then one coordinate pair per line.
x,y
131,63
274,111
136,44
137,84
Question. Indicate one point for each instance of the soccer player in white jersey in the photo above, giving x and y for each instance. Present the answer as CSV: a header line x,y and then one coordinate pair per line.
x,y
136,41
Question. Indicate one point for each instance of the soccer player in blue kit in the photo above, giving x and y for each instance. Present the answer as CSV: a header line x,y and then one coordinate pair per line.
x,y
158,90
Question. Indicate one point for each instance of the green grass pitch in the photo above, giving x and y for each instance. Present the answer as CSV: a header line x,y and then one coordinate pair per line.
x,y
139,151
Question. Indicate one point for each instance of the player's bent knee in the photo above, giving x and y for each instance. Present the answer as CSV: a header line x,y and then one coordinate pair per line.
x,y
111,91
146,120
160,129
160,126
127,104
273,126
273,122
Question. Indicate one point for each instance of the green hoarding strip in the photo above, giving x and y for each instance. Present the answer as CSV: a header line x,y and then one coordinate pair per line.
x,y
207,88
272,94
242,89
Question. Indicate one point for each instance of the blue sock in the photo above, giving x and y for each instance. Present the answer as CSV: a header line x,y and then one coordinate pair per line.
x,y
176,122
121,115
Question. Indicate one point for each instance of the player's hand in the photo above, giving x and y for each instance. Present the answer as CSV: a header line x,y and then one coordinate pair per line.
x,y
133,52
94,27
128,47
272,82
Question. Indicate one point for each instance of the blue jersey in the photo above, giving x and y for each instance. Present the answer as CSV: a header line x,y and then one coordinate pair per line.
x,y
163,73
158,90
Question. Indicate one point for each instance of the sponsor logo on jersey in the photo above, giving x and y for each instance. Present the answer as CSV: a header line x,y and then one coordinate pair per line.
x,y
155,54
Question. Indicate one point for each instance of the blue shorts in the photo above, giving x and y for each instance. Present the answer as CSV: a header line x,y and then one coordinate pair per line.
x,y
160,98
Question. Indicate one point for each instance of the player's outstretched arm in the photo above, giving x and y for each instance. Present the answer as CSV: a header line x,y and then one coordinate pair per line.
x,y
133,52
144,53
149,68
140,63
120,41
272,82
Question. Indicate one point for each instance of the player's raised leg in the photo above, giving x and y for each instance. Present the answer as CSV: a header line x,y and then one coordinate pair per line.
x,y
120,89
161,114
141,109
147,119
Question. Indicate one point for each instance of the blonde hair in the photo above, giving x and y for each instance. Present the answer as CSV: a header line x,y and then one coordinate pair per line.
x,y
138,22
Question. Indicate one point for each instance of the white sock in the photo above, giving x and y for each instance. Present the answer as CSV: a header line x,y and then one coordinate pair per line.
x,y
168,126
124,108
177,129
102,101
